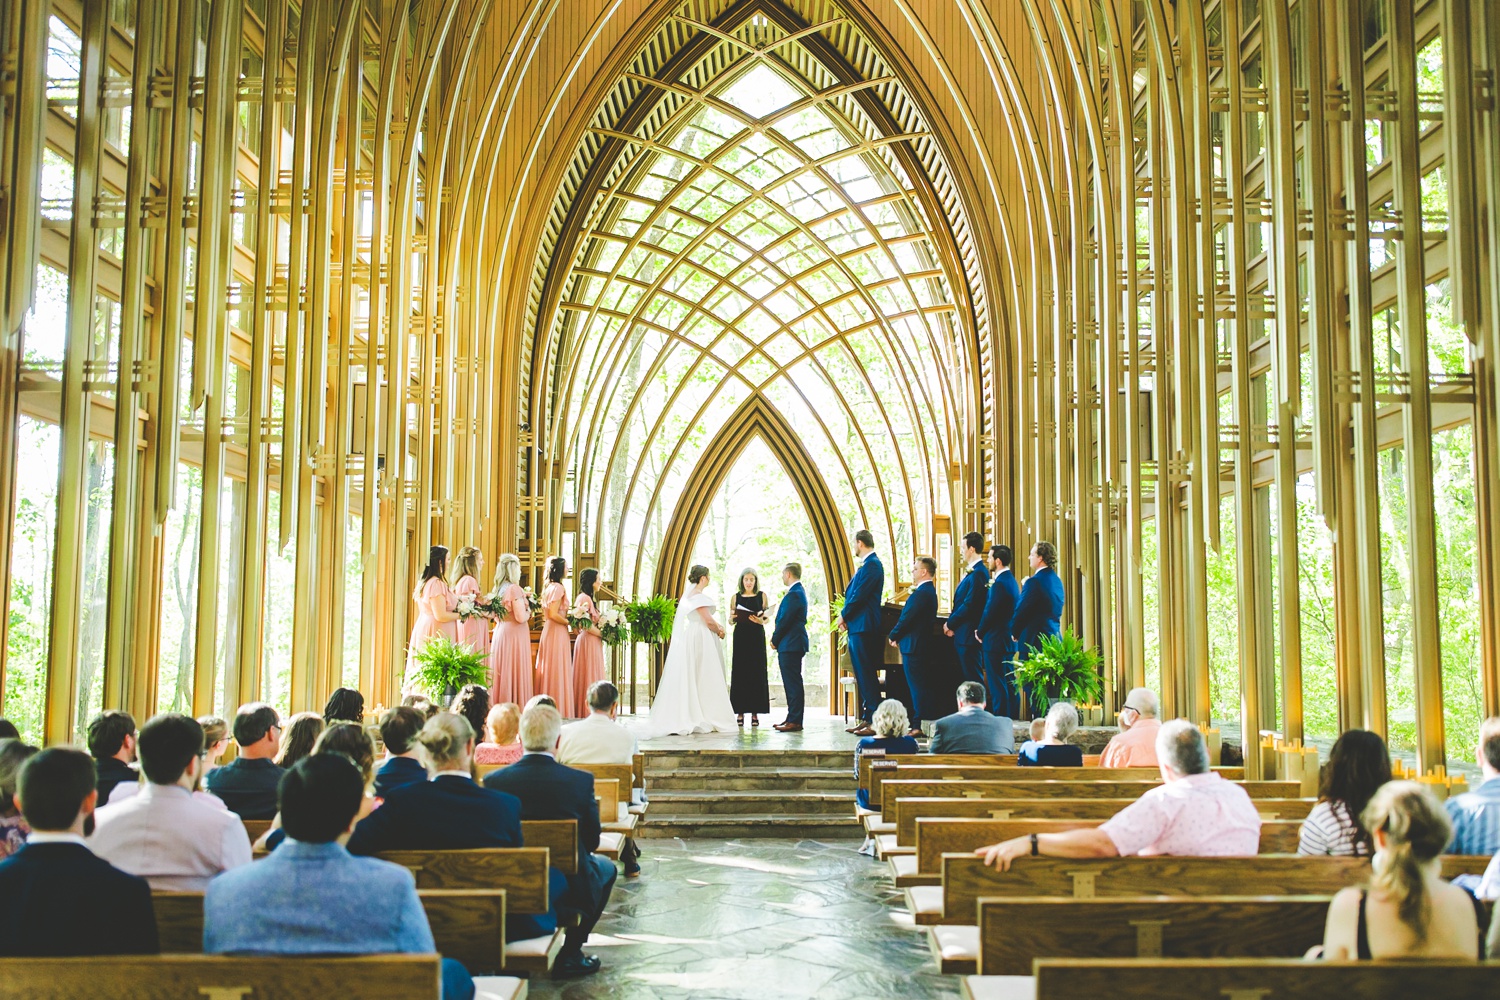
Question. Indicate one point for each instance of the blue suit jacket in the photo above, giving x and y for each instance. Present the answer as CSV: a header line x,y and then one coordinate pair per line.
x,y
972,730
862,598
62,899
549,790
913,631
450,813
999,608
790,633
1039,612
398,772
968,602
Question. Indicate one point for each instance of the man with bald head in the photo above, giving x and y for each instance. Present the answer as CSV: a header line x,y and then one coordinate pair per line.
x,y
1136,744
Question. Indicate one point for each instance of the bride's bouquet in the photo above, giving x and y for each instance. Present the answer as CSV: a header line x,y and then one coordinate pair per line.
x,y
614,627
579,620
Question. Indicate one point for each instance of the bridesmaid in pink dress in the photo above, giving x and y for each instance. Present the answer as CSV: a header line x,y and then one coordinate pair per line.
x,y
588,652
435,610
467,565
510,648
554,656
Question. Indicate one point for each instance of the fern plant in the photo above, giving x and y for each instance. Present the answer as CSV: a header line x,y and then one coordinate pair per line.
x,y
443,666
651,619
835,609
1061,667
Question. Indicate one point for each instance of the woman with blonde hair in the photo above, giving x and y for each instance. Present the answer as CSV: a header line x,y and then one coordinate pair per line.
x,y
502,743
510,647
464,576
437,612
1407,911
890,723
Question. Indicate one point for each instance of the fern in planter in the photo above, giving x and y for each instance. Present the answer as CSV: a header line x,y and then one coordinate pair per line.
x,y
651,619
1061,668
835,609
444,666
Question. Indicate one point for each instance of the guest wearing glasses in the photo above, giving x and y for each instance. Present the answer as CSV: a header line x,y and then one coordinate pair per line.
x,y
1136,744
247,784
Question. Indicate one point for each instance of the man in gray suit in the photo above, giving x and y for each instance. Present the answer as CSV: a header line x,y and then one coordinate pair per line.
x,y
971,729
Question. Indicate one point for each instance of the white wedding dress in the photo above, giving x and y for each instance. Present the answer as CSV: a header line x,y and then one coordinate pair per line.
x,y
693,696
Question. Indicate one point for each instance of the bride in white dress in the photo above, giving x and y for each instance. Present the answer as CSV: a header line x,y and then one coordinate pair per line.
x,y
693,696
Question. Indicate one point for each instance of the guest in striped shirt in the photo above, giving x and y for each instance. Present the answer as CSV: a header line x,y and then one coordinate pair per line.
x,y
1357,767
1476,814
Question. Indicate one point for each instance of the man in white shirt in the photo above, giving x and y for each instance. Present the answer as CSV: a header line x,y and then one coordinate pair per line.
x,y
177,842
597,739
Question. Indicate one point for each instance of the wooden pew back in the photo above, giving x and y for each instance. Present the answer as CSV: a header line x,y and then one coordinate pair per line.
x,y
1013,932
520,871
891,790
909,810
937,836
221,977
966,878
256,828
612,784
869,759
559,836
1261,979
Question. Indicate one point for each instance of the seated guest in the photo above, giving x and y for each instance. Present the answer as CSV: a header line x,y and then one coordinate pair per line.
x,y
1407,911
312,897
112,745
344,705
502,744
349,740
403,765
1358,765
549,790
247,784
8,730
1054,750
1195,814
473,703
215,741
1476,814
1136,744
890,725
422,704
302,732
1036,732
13,828
540,699
59,899
163,834
971,729
597,738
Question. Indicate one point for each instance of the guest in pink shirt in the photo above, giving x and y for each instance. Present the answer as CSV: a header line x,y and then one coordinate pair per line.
x,y
1195,813
502,727
1136,744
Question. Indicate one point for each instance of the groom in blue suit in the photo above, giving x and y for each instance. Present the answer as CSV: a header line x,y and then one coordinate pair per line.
x,y
994,634
861,619
790,639
968,606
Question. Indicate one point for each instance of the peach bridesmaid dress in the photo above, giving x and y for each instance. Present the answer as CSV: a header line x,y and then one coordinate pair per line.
x,y
510,651
554,655
436,596
588,661
472,632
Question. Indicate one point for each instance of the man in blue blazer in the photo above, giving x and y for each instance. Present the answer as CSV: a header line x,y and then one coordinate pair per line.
x,y
994,634
549,790
399,727
968,606
1039,611
913,634
790,639
861,619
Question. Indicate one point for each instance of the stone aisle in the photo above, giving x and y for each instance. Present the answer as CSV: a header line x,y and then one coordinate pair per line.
x,y
757,919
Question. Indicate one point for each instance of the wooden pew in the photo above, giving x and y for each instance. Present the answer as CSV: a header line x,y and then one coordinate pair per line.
x,y
901,788
256,828
558,836
1260,979
877,758
467,924
225,977
613,817
909,810
1013,932
937,836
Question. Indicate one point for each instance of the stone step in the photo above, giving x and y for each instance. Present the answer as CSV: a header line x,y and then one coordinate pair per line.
x,y
803,826
669,805
787,779
676,760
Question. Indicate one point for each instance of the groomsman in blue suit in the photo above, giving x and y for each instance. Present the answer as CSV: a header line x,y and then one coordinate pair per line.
x,y
994,633
1039,611
790,639
861,619
968,606
913,635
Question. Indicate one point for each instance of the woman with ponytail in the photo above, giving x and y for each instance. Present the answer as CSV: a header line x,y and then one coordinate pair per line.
x,y
437,609
1408,911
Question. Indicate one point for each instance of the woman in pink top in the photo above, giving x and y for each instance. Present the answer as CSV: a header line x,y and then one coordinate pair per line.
x,y
435,609
473,632
510,648
502,743
588,653
554,655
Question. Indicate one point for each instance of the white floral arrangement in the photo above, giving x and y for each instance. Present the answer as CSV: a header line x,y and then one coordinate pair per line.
x,y
613,626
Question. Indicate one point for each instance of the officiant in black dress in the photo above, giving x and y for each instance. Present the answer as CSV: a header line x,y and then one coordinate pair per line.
x,y
749,683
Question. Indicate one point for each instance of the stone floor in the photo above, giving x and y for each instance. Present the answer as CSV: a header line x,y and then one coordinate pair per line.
x,y
757,919
821,731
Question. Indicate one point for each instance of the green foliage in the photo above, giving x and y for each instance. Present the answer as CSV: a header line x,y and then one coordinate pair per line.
x,y
651,619
1061,666
443,665
836,608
